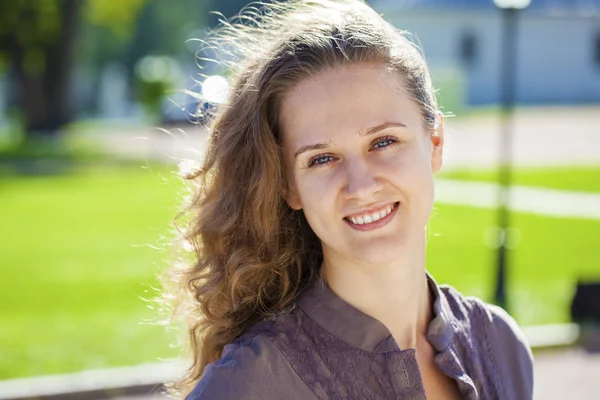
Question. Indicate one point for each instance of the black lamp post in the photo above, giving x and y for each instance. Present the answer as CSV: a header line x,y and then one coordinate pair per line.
x,y
509,10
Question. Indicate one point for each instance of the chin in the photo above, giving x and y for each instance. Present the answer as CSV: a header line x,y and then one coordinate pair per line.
x,y
381,252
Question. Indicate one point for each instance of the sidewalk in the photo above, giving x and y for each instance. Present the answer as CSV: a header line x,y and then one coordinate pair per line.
x,y
549,202
559,374
547,136
566,374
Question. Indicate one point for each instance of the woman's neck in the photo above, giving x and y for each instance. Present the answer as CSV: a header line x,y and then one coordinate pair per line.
x,y
396,294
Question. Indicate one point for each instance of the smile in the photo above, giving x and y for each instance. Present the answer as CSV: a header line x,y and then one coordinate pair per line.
x,y
372,219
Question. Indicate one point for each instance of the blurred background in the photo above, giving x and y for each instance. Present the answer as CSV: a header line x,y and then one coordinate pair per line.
x,y
94,119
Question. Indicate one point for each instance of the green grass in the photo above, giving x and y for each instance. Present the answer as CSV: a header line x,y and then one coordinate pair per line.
x,y
75,263
543,269
552,252
585,179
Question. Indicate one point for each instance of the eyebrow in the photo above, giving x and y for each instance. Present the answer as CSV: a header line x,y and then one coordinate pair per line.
x,y
370,131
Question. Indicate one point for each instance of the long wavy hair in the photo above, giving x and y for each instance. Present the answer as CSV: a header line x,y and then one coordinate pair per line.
x,y
251,254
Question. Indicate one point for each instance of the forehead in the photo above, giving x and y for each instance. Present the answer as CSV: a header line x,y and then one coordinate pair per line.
x,y
346,100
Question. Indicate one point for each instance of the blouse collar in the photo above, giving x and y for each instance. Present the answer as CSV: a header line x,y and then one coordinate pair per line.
x,y
360,330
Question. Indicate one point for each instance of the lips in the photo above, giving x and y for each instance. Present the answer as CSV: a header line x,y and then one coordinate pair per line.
x,y
371,216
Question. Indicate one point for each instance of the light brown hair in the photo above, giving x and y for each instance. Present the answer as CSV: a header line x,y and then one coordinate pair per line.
x,y
252,254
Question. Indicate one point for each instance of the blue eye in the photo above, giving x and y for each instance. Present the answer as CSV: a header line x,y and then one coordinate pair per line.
x,y
384,142
379,144
319,161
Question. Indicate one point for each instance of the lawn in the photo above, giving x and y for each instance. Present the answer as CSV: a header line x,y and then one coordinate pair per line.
x,y
584,179
77,258
552,254
75,262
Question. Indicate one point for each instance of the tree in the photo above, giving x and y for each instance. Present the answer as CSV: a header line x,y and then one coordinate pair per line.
x,y
37,43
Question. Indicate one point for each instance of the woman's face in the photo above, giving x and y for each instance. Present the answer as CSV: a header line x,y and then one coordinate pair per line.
x,y
360,161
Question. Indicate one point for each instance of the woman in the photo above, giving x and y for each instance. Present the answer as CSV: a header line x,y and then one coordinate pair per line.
x,y
309,226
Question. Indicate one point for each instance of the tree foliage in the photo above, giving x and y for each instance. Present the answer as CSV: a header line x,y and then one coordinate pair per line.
x,y
42,40
118,16
37,44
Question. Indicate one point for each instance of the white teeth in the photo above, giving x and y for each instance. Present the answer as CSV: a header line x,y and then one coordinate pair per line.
x,y
370,218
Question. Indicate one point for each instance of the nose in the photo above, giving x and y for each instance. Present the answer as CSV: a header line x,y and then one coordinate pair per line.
x,y
361,180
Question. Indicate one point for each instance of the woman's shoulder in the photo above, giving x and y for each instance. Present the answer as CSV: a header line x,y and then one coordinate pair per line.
x,y
499,333
479,314
251,368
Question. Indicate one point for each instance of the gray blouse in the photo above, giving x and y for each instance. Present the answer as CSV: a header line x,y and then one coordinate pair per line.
x,y
324,348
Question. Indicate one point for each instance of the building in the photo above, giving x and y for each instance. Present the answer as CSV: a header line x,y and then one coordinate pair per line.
x,y
558,48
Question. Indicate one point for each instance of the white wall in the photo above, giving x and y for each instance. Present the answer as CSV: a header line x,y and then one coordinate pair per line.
x,y
556,59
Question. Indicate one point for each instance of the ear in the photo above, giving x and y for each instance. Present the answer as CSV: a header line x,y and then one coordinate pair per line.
x,y
437,142
291,197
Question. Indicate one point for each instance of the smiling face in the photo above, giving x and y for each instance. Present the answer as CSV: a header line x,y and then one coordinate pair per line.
x,y
360,162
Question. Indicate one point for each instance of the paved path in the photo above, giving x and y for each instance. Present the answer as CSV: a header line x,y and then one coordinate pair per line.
x,y
541,201
542,137
569,375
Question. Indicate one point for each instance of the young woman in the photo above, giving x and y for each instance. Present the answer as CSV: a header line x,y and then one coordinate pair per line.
x,y
309,226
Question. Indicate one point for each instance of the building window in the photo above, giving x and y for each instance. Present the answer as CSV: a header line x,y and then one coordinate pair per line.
x,y
468,48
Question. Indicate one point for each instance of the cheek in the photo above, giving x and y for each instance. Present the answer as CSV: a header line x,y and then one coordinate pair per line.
x,y
410,166
411,173
317,192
